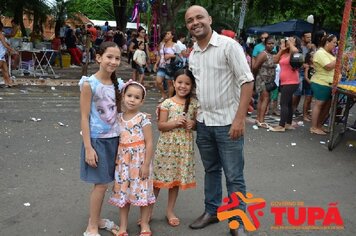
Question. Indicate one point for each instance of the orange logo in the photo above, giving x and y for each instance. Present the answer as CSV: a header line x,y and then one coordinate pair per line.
x,y
254,205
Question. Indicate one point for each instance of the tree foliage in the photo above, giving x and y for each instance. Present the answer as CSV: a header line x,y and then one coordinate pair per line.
x,y
93,9
35,9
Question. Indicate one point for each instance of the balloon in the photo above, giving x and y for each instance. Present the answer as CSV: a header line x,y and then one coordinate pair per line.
x,y
152,2
310,19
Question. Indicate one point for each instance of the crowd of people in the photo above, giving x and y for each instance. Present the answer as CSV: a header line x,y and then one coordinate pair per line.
x,y
311,77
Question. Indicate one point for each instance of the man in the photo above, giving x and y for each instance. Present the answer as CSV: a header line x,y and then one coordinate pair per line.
x,y
260,47
306,45
224,88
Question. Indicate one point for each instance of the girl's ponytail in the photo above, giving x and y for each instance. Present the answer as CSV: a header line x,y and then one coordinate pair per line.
x,y
118,96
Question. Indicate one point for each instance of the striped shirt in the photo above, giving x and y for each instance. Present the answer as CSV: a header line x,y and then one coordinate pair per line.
x,y
220,70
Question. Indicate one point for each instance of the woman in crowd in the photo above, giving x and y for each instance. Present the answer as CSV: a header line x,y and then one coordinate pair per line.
x,y
265,69
167,51
289,82
71,43
324,62
134,45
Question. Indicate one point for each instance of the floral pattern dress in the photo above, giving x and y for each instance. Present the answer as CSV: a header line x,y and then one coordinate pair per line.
x,y
128,186
174,163
266,73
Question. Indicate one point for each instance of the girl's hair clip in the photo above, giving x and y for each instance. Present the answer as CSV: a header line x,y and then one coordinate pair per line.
x,y
136,83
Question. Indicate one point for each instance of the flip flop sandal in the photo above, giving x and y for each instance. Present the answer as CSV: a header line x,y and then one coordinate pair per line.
x,y
90,234
174,222
146,233
262,125
116,233
109,225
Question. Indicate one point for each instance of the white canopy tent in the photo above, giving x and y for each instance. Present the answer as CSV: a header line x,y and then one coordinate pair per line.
x,y
130,25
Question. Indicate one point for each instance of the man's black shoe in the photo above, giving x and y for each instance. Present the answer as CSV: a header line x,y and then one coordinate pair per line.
x,y
238,232
203,221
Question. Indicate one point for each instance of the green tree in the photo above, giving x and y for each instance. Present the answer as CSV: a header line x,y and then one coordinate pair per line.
x,y
93,9
37,9
327,13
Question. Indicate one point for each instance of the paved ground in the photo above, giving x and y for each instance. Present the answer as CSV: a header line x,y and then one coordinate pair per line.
x,y
41,194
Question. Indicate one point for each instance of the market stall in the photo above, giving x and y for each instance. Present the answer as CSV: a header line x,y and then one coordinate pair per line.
x,y
344,83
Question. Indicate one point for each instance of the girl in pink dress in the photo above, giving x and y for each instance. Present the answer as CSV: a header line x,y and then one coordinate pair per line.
x,y
133,174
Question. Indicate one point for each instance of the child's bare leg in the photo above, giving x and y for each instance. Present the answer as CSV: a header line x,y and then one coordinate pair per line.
x,y
124,215
172,198
156,192
145,218
5,73
96,201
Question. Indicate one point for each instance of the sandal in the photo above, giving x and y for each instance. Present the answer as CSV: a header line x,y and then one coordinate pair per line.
x,y
109,225
262,125
289,127
145,233
277,129
90,234
116,233
317,131
174,221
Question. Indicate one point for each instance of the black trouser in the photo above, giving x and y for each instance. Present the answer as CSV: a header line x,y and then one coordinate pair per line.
x,y
286,103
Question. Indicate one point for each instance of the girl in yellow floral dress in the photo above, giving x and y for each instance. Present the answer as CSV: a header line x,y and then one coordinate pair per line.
x,y
133,173
174,158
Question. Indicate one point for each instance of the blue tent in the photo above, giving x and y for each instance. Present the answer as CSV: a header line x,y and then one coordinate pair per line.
x,y
284,28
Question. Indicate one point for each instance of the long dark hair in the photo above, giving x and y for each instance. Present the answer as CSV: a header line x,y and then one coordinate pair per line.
x,y
192,79
298,43
102,48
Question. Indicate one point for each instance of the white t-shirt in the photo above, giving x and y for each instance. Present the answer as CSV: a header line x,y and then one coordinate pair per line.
x,y
140,57
180,46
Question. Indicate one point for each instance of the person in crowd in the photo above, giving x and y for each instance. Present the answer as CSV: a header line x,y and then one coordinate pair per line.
x,y
15,40
100,102
317,37
275,94
134,45
109,36
174,164
167,52
265,69
289,82
139,58
71,44
182,47
56,44
224,88
4,48
309,71
134,170
260,47
306,45
324,62
120,40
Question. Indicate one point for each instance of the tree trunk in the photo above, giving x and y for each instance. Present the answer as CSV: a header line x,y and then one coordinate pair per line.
x,y
18,15
120,13
173,6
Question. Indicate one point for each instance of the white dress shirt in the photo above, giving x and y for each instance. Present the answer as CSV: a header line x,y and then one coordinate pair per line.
x,y
220,70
